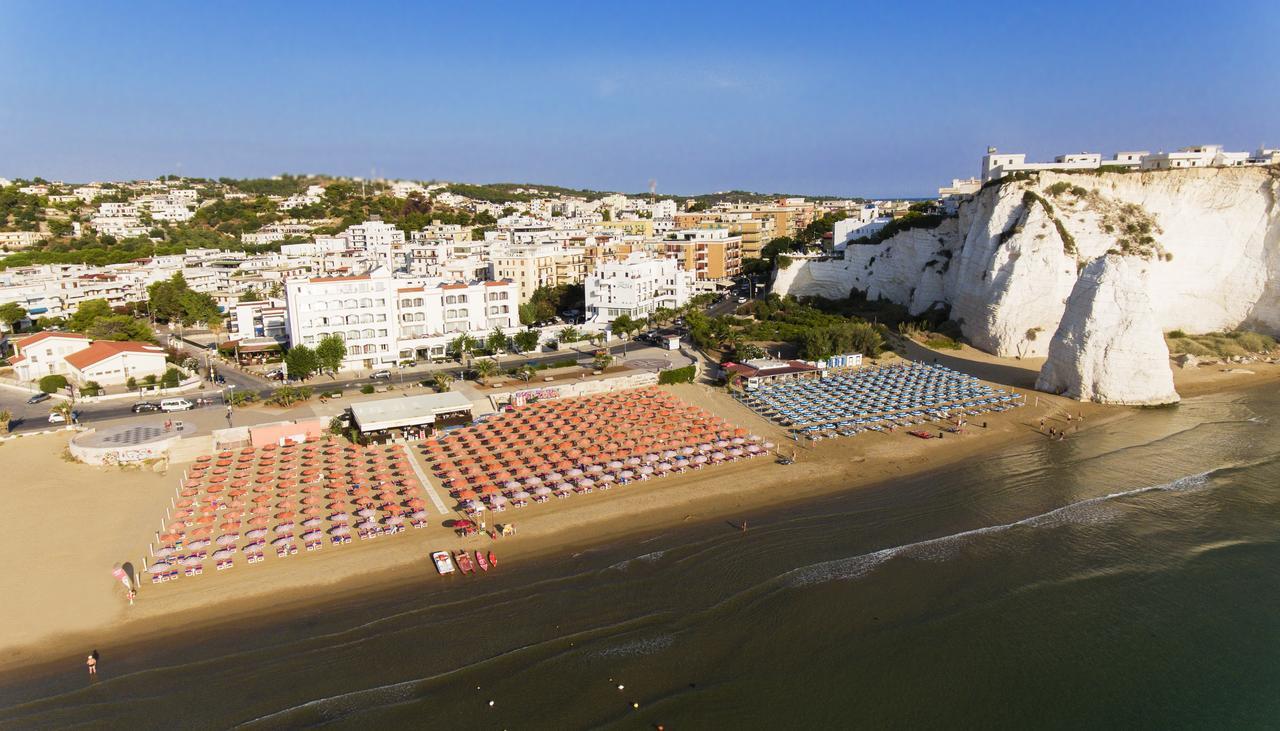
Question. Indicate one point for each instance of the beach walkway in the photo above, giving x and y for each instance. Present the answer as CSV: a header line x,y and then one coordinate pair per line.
x,y
428,485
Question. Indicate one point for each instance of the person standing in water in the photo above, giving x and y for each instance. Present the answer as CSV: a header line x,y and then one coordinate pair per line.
x,y
92,662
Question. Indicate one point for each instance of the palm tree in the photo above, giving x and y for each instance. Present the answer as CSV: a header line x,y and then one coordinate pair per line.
x,y
527,372
441,382
570,335
485,368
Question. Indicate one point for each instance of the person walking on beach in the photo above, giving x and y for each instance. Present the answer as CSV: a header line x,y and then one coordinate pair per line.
x,y
92,662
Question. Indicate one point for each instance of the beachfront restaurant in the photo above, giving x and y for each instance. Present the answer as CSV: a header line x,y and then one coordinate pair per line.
x,y
762,371
410,417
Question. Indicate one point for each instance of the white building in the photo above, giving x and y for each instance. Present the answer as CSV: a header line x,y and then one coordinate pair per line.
x,y
636,286
1200,156
384,319
108,362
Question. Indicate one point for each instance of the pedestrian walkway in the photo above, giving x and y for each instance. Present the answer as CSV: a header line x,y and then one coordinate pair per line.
x,y
428,485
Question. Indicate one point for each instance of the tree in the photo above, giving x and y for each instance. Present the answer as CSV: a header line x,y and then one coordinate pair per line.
x,y
462,344
497,341
526,372
570,335
119,327
171,378
87,313
53,383
10,314
485,368
301,362
602,361
250,295
624,325
150,379
441,381
526,340
131,383
330,353
748,351
528,314
91,388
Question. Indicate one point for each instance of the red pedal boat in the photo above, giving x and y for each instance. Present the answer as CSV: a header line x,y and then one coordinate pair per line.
x,y
464,562
482,561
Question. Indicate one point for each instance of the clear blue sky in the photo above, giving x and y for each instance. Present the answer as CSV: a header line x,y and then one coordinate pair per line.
x,y
839,98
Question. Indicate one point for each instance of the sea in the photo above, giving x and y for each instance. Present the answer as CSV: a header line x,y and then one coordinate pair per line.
x,y
1127,577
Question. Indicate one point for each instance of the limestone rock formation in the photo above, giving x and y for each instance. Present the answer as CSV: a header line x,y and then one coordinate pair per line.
x,y
1208,240
1109,346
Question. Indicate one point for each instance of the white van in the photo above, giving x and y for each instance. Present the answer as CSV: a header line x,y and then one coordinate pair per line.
x,y
176,404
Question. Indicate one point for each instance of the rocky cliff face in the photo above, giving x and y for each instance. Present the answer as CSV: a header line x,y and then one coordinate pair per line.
x,y
1208,242
1109,346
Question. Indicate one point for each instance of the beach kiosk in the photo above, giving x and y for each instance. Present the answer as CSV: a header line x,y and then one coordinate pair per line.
x,y
410,417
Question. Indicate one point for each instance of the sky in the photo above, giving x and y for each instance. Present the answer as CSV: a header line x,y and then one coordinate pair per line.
x,y
846,98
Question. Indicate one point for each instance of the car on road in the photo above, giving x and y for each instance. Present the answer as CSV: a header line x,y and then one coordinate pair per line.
x,y
381,375
56,417
276,375
38,397
143,407
742,300
176,404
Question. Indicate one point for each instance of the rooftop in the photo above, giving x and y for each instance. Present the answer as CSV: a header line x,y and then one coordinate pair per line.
x,y
407,411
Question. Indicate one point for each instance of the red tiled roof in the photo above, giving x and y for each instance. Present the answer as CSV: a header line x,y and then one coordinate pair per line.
x,y
497,283
410,289
104,349
17,359
41,336
455,285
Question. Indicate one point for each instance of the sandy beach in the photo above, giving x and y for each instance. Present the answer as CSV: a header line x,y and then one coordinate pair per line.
x,y
82,520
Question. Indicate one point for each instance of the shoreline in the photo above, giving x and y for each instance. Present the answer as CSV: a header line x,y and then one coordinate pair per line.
x,y
272,592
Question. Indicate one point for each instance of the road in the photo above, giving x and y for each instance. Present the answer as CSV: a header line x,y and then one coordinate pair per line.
x,y
35,417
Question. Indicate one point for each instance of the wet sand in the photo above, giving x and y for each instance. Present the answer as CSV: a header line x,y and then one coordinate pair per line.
x,y
65,602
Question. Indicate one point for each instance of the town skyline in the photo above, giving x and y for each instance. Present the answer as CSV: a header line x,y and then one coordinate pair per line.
x,y
887,107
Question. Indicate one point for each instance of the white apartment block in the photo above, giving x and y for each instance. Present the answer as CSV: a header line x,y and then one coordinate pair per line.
x,y
384,319
532,267
636,287
13,240
373,234
996,165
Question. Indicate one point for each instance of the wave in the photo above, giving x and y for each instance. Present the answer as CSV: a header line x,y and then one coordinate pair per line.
x,y
646,558
857,567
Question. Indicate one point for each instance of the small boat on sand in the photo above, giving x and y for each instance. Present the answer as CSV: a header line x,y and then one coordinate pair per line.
x,y
921,434
493,560
444,564
464,562
482,561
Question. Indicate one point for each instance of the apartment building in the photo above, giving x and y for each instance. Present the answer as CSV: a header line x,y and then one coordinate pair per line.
x,y
531,267
15,240
636,286
754,232
996,165
385,319
711,254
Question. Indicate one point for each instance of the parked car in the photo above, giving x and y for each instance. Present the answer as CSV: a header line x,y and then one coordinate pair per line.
x,y
742,300
145,406
276,375
176,404
383,374
38,397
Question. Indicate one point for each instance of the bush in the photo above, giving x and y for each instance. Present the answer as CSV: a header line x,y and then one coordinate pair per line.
x,y
367,388
941,342
92,388
131,383
53,383
289,395
677,375
1175,334
171,378
242,398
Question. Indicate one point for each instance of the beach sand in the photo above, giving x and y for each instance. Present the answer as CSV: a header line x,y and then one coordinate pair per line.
x,y
63,600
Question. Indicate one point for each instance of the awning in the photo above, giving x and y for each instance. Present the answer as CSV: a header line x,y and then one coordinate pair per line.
x,y
395,413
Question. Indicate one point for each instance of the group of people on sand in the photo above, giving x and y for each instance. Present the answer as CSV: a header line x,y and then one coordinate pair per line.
x,y
1061,434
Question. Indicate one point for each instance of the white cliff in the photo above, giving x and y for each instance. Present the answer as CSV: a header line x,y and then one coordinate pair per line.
x,y
1007,265
1109,346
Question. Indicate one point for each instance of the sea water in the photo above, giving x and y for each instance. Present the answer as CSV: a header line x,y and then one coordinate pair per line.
x,y
1128,577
